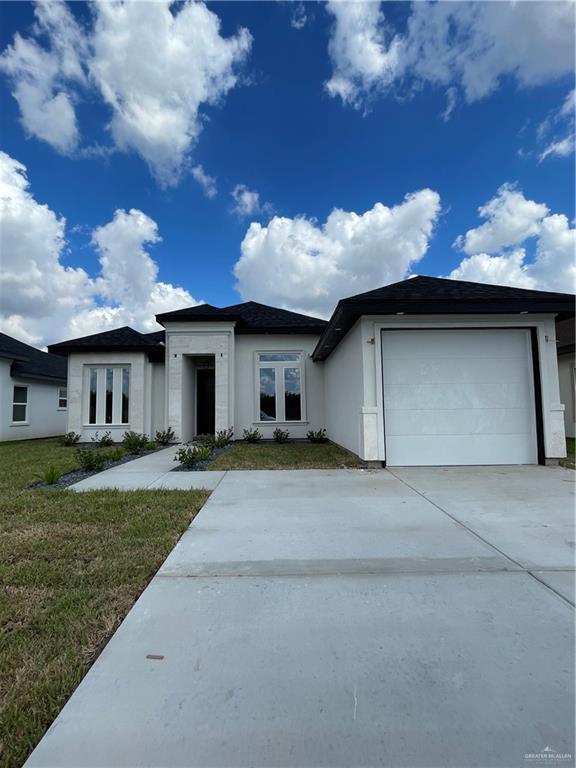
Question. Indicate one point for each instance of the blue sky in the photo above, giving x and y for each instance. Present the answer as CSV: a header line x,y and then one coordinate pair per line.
x,y
305,147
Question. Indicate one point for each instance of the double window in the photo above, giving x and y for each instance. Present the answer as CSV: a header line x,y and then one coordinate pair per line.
x,y
20,405
280,386
108,394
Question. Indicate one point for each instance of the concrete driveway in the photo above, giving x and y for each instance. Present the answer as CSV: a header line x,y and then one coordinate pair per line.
x,y
414,617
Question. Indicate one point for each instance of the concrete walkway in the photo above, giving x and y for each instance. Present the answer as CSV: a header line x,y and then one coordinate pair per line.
x,y
416,617
148,472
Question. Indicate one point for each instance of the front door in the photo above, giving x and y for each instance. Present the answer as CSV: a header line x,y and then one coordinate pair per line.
x,y
205,401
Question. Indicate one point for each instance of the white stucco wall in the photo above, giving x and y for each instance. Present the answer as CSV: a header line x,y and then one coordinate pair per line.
x,y
566,376
157,398
343,391
139,409
247,410
45,419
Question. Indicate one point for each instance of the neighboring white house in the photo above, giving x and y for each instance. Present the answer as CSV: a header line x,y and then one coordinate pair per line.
x,y
427,371
33,391
567,373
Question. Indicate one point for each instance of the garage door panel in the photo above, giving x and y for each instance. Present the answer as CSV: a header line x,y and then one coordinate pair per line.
x,y
496,421
471,369
450,345
455,397
458,397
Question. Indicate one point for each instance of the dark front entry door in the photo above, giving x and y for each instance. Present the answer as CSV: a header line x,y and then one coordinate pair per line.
x,y
205,401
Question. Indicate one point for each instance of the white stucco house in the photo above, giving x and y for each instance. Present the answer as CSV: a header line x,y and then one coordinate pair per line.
x,y
33,391
427,371
567,373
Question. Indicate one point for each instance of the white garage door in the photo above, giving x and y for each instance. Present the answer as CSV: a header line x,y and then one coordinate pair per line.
x,y
458,397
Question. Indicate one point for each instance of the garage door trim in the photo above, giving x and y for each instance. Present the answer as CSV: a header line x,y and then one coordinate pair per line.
x,y
537,384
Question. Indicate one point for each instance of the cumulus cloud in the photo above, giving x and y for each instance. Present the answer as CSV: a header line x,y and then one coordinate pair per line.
x,y
155,66
42,300
247,202
302,265
208,183
471,46
498,250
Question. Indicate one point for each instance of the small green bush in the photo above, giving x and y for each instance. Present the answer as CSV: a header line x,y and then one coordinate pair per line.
x,y
318,436
252,435
280,435
223,437
166,436
205,440
104,441
134,442
51,475
151,446
70,438
91,459
189,456
115,454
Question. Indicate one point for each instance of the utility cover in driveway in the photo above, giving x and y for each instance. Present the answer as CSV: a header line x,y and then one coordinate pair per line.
x,y
455,397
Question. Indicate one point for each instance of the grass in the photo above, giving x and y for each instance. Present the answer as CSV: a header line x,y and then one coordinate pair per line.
x,y
570,460
284,456
71,567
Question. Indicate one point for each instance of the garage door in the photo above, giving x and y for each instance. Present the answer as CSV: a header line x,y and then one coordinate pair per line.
x,y
458,397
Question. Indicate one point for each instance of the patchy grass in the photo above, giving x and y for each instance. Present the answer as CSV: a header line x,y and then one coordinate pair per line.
x,y
285,456
71,566
570,460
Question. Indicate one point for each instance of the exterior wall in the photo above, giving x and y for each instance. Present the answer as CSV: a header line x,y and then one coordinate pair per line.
x,y
246,393
189,339
140,393
566,374
45,419
344,391
372,445
157,398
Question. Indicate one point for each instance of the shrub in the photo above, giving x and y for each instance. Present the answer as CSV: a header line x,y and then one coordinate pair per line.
x,y
252,435
51,475
134,442
166,436
223,437
91,459
191,455
105,441
205,440
115,454
280,435
151,446
70,438
318,436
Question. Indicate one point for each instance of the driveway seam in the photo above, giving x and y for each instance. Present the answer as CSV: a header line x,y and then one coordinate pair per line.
x,y
480,538
552,589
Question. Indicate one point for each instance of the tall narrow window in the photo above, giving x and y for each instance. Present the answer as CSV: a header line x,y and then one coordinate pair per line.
x,y
92,395
125,395
62,398
109,394
20,405
292,399
267,394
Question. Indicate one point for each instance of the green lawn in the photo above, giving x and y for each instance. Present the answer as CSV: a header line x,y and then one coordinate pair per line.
x,y
71,566
284,456
570,460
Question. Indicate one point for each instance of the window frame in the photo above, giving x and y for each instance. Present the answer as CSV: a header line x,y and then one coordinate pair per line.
x,y
100,416
26,419
279,366
59,398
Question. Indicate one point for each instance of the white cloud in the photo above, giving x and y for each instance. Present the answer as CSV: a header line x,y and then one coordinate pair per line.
x,y
451,101
299,18
512,221
208,183
247,202
42,300
472,46
154,64
299,264
561,148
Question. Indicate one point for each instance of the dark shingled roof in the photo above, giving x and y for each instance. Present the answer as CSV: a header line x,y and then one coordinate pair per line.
x,y
437,296
250,317
32,363
124,339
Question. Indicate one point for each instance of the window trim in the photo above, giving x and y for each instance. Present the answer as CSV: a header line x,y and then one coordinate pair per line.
x,y
279,366
59,398
117,386
26,420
